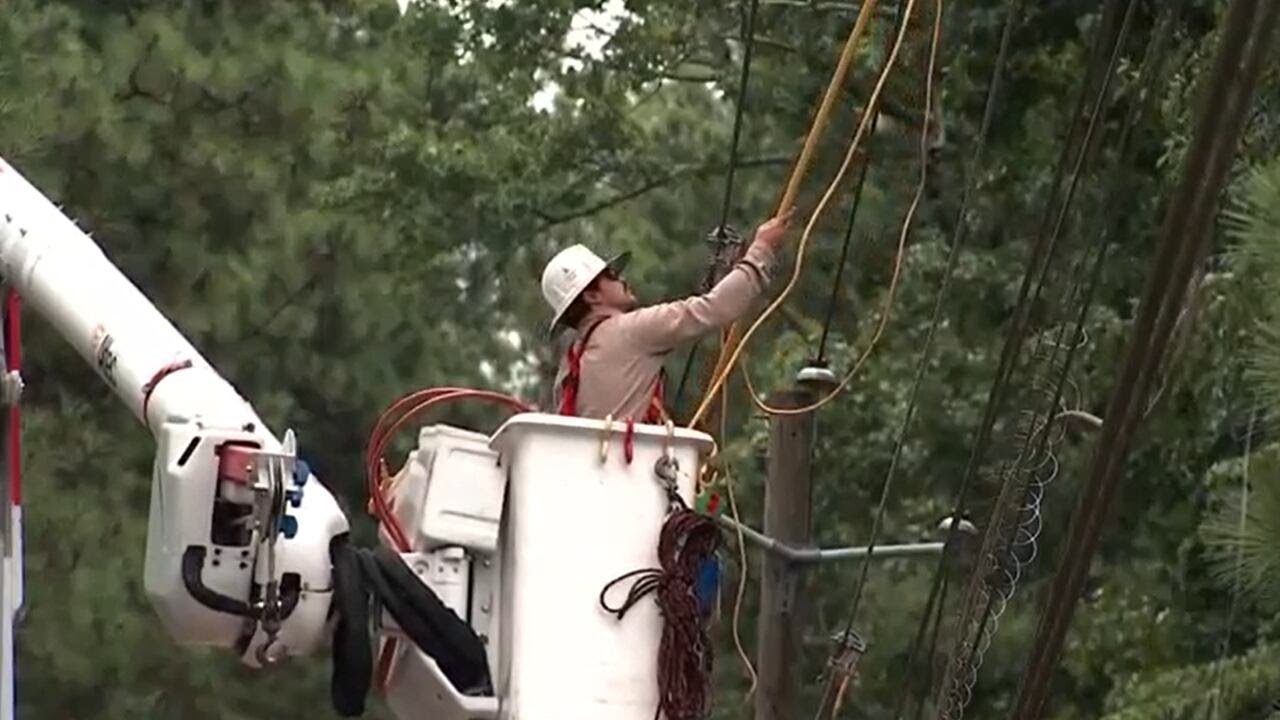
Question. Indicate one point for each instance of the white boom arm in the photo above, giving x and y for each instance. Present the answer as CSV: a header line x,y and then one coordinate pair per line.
x,y
494,611
239,532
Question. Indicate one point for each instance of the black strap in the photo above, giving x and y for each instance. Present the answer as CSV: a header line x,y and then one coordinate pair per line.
x,y
361,575
431,624
352,650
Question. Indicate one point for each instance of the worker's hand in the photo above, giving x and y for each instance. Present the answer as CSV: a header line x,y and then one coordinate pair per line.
x,y
774,231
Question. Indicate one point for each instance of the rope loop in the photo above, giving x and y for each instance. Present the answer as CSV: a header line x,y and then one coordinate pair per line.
x,y
604,438
687,542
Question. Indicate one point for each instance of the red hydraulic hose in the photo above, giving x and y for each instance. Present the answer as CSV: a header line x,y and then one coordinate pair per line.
x,y
399,412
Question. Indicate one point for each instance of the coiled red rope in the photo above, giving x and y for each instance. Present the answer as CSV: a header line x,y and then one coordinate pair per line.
x,y
685,654
393,418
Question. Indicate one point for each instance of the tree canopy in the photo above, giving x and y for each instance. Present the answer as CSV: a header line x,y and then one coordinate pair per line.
x,y
337,201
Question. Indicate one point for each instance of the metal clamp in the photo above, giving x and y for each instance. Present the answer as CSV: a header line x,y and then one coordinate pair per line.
x,y
667,471
848,647
269,515
726,246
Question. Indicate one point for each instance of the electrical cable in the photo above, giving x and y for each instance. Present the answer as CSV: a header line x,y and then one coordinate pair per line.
x,y
748,40
1012,19
1147,80
956,689
1014,340
821,355
1245,42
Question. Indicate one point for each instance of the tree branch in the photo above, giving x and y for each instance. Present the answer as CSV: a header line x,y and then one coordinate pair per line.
x,y
696,79
816,6
551,220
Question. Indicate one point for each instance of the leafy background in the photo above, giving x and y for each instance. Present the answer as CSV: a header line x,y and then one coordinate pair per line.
x,y
337,201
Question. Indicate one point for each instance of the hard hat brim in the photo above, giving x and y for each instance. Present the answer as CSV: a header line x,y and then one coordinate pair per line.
x,y
617,263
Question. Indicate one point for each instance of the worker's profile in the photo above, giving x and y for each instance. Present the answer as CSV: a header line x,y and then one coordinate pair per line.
x,y
614,367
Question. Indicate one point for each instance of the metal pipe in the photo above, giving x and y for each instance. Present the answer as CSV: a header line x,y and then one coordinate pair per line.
x,y
818,555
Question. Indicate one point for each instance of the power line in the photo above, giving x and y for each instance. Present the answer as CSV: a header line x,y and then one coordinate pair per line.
x,y
720,232
952,696
1244,44
748,40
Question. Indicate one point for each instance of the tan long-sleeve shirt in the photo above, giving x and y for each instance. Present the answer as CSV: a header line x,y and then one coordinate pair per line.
x,y
625,353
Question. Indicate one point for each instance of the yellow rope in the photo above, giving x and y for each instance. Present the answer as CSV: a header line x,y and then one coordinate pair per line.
x,y
729,339
902,239
823,115
743,569
725,368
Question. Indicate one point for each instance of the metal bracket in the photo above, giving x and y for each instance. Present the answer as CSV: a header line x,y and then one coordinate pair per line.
x,y
275,471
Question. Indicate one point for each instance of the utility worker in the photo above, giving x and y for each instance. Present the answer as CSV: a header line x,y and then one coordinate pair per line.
x,y
614,367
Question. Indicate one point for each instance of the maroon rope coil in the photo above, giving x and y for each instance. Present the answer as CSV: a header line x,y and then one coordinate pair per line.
x,y
685,654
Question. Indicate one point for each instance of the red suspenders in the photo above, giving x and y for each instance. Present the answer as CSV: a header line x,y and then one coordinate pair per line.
x,y
654,414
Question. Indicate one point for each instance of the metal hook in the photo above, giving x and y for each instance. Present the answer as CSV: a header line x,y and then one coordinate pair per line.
x,y
263,653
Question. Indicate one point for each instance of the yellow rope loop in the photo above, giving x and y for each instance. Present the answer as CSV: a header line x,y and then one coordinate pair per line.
x,y
605,432
743,571
670,440
719,380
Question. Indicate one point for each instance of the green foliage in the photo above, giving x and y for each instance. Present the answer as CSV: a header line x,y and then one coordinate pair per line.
x,y
1256,256
1244,537
338,203
1238,687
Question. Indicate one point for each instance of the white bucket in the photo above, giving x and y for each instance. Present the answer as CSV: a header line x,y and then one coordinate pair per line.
x,y
573,524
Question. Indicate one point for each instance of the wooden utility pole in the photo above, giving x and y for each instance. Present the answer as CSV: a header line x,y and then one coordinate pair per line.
x,y
787,507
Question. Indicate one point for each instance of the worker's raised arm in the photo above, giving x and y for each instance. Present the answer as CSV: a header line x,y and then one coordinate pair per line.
x,y
660,328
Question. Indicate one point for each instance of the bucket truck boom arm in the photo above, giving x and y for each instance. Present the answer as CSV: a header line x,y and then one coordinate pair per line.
x,y
239,533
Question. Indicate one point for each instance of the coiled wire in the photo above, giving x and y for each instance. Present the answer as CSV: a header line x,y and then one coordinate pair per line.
x,y
1017,519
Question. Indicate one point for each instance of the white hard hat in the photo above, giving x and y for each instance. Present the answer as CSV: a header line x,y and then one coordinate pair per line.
x,y
570,272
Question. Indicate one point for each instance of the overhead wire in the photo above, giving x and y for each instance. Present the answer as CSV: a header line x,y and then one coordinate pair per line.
x,y
926,352
956,689
821,355
1027,463
1229,90
748,41
726,368
887,485
1014,339
1014,14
